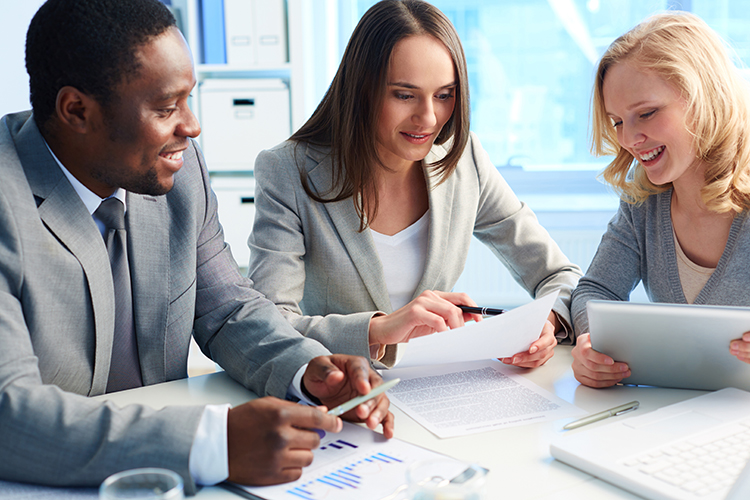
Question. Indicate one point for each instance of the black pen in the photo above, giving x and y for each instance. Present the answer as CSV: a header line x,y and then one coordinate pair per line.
x,y
484,311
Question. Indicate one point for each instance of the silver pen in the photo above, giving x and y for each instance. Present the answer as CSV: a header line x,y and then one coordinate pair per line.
x,y
353,403
612,412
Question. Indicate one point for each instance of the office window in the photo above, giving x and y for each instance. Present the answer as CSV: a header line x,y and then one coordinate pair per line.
x,y
531,66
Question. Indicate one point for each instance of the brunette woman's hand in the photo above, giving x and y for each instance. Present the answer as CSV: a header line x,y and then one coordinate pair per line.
x,y
430,312
541,350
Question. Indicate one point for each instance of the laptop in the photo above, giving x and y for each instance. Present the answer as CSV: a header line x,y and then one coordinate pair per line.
x,y
672,345
695,449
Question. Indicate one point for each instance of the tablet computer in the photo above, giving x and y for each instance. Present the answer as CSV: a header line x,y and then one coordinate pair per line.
x,y
672,345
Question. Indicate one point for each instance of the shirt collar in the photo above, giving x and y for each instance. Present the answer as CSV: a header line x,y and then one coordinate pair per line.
x,y
88,197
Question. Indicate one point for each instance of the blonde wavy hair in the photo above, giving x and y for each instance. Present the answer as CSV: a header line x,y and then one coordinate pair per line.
x,y
684,51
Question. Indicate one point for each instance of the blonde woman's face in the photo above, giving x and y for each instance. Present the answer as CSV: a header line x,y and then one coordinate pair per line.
x,y
419,100
649,116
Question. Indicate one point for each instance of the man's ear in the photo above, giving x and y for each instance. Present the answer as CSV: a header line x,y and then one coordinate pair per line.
x,y
75,109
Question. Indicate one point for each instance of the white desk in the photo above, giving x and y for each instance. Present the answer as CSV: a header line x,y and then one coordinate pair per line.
x,y
518,457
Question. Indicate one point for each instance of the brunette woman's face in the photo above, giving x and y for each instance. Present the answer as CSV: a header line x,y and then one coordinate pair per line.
x,y
419,99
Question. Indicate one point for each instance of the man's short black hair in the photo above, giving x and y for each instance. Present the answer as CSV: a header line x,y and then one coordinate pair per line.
x,y
89,45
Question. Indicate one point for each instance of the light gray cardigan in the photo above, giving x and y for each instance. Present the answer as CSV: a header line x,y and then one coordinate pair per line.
x,y
639,246
326,277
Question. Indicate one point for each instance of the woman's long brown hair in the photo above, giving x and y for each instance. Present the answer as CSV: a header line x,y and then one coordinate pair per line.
x,y
346,119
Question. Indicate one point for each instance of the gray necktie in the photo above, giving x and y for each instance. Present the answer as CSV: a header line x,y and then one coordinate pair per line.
x,y
125,369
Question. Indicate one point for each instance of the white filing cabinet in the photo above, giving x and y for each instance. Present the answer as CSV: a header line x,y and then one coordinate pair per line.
x,y
235,196
255,32
240,118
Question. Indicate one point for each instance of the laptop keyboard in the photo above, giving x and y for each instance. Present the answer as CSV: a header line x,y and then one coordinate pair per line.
x,y
701,464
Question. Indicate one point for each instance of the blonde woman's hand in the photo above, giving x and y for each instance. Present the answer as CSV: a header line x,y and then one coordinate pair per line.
x,y
595,369
740,348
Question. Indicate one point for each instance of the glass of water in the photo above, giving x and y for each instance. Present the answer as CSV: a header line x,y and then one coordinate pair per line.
x,y
144,484
445,479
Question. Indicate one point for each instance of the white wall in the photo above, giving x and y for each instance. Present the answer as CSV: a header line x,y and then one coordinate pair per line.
x,y
14,20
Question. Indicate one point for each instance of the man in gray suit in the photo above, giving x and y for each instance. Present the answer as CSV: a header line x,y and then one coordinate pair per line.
x,y
110,81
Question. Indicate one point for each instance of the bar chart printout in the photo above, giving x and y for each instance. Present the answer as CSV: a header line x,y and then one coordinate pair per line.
x,y
355,463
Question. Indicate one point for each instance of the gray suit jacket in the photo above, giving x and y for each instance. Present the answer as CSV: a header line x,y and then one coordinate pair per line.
x,y
57,320
327,278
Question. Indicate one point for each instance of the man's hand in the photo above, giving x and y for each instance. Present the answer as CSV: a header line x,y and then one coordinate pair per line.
x,y
269,440
338,378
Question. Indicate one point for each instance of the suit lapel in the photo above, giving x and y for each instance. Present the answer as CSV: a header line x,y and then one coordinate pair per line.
x,y
441,209
359,245
64,214
148,253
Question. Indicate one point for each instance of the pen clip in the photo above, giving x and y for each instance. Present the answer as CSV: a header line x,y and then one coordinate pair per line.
x,y
626,410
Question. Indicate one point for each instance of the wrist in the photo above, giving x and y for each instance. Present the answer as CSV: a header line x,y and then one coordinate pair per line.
x,y
308,394
377,351
374,328
556,323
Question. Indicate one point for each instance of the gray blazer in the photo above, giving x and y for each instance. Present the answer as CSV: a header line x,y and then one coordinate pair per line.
x,y
57,320
327,278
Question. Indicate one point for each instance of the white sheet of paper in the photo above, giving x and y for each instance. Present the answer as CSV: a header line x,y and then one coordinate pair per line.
x,y
496,337
477,396
355,463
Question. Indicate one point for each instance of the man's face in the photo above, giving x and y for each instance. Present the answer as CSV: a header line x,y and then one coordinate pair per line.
x,y
138,141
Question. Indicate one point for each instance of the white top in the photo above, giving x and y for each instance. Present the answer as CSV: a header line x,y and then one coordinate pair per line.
x,y
692,276
403,256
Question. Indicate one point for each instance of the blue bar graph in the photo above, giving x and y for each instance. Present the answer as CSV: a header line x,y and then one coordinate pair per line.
x,y
347,478
338,445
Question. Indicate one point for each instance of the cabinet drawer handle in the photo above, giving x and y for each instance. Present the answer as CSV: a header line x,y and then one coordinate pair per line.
x,y
244,102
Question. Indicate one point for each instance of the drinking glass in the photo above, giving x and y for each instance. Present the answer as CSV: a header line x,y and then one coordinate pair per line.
x,y
143,484
445,479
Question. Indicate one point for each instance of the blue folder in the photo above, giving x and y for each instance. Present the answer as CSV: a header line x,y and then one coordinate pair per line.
x,y
212,22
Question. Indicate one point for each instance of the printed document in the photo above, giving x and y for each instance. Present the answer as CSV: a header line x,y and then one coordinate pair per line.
x,y
355,463
500,336
467,398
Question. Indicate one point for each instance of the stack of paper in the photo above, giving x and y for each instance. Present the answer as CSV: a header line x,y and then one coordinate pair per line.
x,y
451,387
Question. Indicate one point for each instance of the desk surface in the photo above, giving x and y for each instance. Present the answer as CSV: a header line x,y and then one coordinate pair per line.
x,y
518,457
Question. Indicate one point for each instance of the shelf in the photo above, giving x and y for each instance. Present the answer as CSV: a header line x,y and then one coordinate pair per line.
x,y
205,71
298,72
225,68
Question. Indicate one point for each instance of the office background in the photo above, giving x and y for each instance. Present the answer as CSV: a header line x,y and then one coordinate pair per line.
x,y
531,64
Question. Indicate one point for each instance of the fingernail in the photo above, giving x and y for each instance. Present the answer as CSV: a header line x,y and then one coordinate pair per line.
x,y
515,360
609,361
533,349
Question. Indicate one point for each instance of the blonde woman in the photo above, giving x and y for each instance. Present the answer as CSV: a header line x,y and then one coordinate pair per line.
x,y
365,216
673,109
